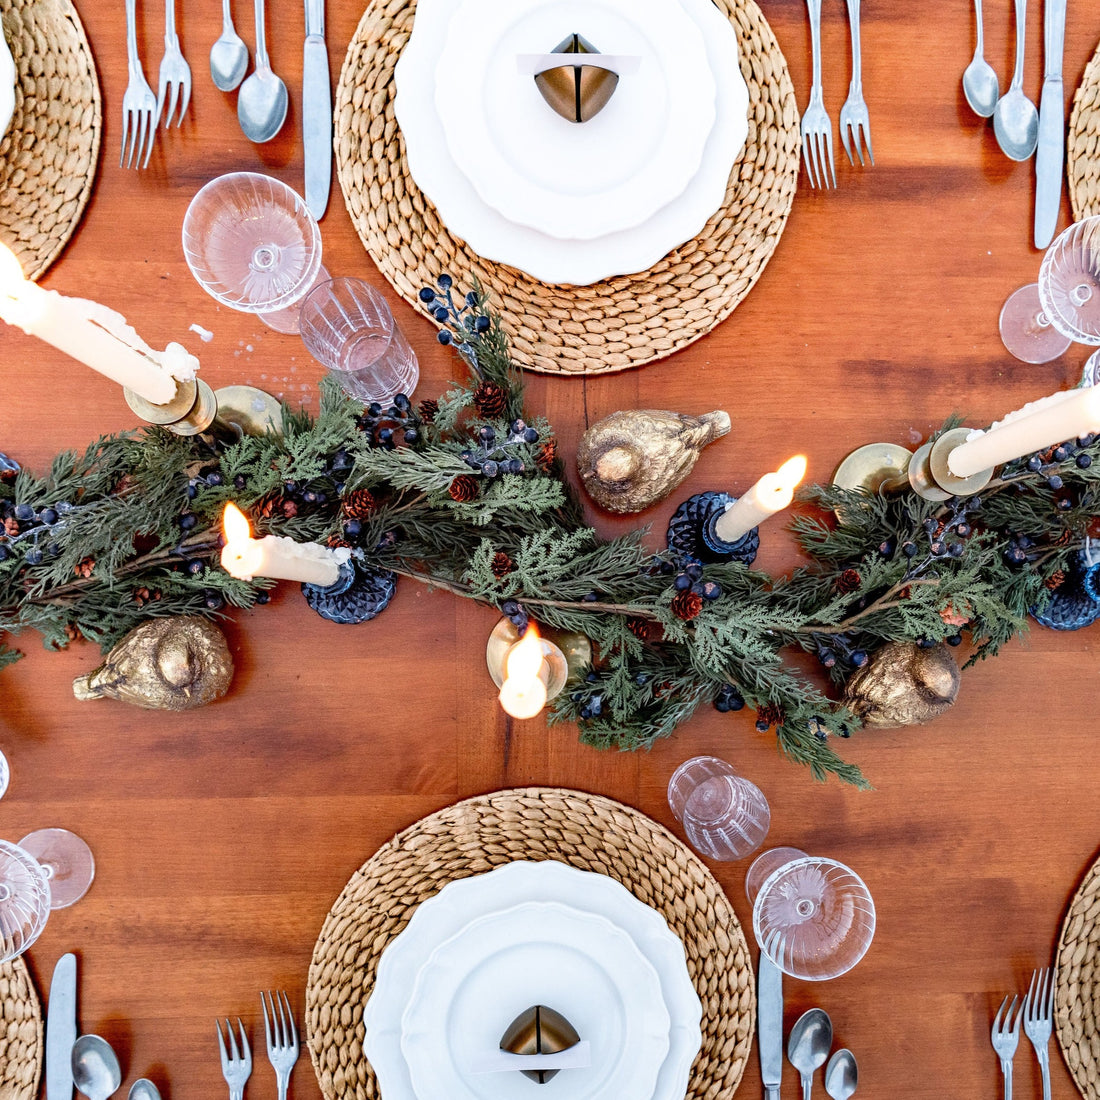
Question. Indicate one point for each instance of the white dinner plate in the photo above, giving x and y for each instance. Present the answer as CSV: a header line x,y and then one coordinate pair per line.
x,y
566,179
475,984
7,85
465,900
546,258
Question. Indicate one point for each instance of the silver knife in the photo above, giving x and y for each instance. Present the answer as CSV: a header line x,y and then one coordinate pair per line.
x,y
316,110
61,1030
769,1025
1052,126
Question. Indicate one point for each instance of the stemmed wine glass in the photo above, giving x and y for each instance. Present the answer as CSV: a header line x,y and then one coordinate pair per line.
x,y
252,244
48,869
813,917
1041,320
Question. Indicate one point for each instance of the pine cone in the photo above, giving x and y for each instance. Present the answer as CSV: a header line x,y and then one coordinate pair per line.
x,y
141,596
427,410
769,715
358,504
490,399
464,489
72,632
848,581
686,605
642,629
501,565
290,509
84,567
11,527
547,456
1055,580
334,542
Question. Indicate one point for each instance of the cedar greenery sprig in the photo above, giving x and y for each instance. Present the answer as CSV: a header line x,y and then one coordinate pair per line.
x,y
467,495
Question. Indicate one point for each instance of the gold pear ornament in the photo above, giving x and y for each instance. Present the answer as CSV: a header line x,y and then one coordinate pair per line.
x,y
903,684
164,664
632,459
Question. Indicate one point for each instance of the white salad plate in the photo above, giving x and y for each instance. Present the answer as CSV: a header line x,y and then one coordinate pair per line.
x,y
566,179
475,984
7,85
464,901
544,257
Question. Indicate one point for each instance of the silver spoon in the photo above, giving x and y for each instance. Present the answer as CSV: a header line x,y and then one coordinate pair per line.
x,y
229,55
808,1045
143,1089
96,1071
262,100
841,1075
1015,120
980,84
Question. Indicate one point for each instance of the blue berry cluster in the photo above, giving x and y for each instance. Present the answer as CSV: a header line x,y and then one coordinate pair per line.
x,y
494,456
464,324
23,523
515,614
590,699
690,578
387,426
728,699
841,650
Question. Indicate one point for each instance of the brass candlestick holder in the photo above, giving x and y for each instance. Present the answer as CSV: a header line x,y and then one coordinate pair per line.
x,y
568,654
233,411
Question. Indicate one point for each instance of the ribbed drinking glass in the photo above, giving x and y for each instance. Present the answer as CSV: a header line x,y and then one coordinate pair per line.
x,y
724,815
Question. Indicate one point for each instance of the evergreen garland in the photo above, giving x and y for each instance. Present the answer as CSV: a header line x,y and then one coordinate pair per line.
x,y
465,495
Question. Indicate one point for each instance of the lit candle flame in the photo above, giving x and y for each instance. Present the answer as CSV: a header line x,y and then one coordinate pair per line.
x,y
792,471
241,555
235,524
523,693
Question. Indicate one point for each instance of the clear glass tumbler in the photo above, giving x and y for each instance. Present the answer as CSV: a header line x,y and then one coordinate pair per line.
x,y
723,814
24,900
348,327
813,917
253,245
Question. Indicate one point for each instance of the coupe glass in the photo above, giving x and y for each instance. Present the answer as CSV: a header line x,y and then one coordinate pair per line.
x,y
252,244
66,861
1041,320
724,815
813,917
24,900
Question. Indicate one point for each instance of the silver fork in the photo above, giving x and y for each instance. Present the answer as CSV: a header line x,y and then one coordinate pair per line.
x,y
175,73
237,1062
1005,1036
817,130
139,105
1038,1020
282,1037
855,123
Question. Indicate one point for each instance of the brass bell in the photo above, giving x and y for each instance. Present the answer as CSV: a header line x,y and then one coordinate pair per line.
x,y
539,1030
576,92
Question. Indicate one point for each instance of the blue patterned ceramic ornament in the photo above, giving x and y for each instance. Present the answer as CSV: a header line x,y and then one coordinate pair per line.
x,y
691,531
358,594
1076,601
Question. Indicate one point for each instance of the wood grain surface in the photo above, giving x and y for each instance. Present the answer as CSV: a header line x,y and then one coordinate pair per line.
x,y
223,836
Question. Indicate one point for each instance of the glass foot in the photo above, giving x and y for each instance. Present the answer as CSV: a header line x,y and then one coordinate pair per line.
x,y
67,861
1026,331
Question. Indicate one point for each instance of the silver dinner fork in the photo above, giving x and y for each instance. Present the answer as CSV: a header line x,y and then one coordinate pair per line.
x,y
1005,1036
817,130
236,1062
282,1037
855,123
139,105
175,73
1038,1020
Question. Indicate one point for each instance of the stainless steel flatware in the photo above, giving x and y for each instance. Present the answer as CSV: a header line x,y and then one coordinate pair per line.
x,y
841,1075
1039,1021
282,1037
980,84
96,1071
236,1061
808,1045
175,73
316,111
262,100
228,55
143,1089
1052,132
855,122
61,1029
1015,120
1005,1036
816,127
139,105
769,1025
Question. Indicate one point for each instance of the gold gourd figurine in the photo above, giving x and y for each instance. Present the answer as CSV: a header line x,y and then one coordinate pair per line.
x,y
632,459
164,664
903,684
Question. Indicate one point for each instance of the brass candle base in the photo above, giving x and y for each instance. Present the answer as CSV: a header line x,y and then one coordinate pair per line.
x,y
574,652
232,411
930,477
874,467
252,411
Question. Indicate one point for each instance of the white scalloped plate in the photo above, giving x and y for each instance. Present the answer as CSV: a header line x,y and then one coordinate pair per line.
x,y
7,85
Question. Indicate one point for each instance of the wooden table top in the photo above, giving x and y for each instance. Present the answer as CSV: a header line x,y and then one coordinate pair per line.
x,y
223,836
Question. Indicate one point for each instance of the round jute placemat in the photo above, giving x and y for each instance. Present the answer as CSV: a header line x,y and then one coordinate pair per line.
x,y
608,326
20,1033
1083,146
534,823
48,156
1077,987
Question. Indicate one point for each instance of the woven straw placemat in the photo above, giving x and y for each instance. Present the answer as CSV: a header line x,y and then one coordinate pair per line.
x,y
1083,147
1077,989
20,1033
535,823
48,156
608,326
